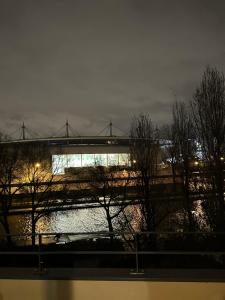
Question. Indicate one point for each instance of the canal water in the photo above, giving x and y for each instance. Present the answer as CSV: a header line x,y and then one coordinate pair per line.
x,y
82,221
72,221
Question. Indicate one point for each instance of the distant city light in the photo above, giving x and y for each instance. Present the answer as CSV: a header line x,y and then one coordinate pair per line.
x,y
37,165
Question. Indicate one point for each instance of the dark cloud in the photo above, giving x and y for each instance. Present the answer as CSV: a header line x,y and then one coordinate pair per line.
x,y
92,61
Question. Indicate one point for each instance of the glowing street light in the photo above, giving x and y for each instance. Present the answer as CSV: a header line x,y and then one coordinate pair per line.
x,y
37,165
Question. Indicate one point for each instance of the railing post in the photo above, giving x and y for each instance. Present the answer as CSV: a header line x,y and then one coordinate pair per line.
x,y
136,253
41,269
137,271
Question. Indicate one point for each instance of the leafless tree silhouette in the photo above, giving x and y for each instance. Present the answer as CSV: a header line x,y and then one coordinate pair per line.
x,y
184,151
144,149
208,109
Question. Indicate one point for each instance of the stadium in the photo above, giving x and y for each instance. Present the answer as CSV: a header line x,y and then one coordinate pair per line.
x,y
72,151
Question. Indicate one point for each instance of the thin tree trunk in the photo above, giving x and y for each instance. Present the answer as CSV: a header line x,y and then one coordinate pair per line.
x,y
7,230
110,226
33,223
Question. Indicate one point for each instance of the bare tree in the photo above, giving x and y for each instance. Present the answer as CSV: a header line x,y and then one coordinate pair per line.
x,y
144,149
9,170
38,180
185,150
168,134
208,109
108,188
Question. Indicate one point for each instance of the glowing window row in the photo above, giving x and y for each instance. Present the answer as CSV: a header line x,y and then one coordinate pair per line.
x,y
62,161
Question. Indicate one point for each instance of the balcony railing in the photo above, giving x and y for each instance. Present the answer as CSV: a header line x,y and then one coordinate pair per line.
x,y
136,253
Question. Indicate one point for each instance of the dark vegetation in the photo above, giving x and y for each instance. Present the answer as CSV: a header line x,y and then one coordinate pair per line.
x,y
174,183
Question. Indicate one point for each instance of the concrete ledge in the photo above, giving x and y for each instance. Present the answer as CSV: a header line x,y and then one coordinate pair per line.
x,y
170,275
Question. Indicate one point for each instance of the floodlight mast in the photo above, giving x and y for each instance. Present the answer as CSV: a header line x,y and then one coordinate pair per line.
x,y
23,131
67,128
110,128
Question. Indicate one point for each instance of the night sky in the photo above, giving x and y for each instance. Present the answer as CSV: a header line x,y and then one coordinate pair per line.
x,y
90,61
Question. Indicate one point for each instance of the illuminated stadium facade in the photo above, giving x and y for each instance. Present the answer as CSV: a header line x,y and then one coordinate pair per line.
x,y
83,152
60,162
89,152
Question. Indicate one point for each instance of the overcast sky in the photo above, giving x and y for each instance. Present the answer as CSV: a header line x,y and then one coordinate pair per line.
x,y
90,61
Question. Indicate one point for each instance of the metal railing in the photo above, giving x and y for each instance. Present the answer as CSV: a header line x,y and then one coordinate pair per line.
x,y
137,246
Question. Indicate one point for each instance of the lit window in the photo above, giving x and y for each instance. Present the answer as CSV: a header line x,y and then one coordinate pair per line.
x,y
101,160
88,160
59,163
123,159
113,159
74,160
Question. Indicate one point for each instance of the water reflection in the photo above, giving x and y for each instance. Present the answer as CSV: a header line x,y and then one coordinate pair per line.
x,y
72,221
83,220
